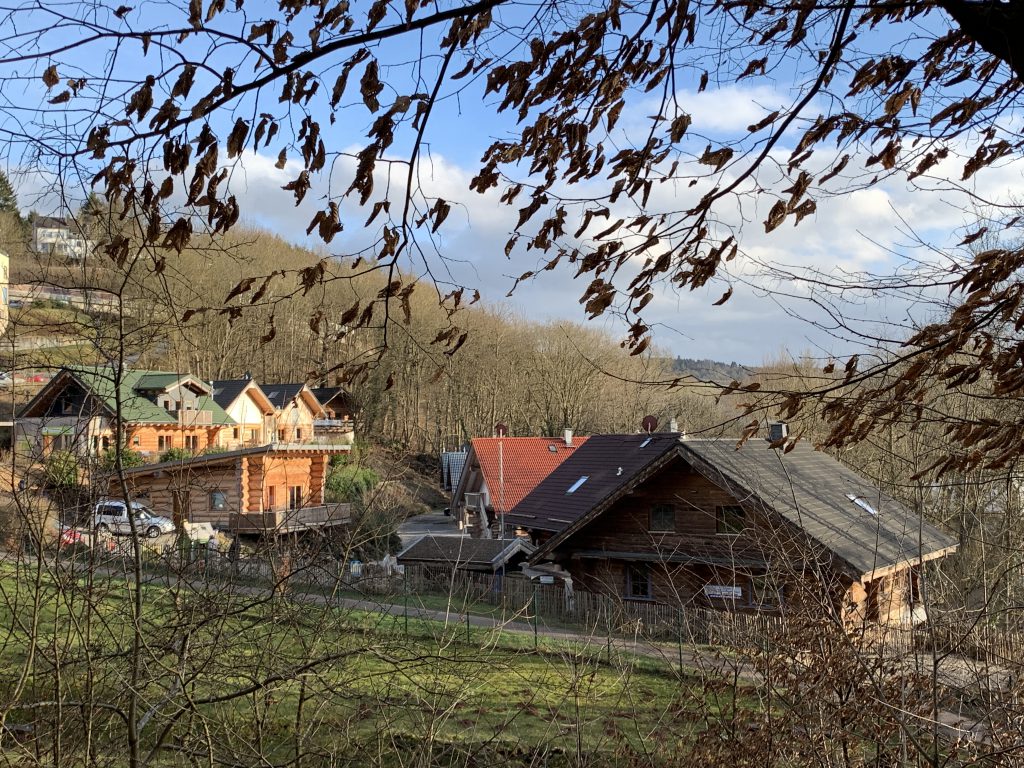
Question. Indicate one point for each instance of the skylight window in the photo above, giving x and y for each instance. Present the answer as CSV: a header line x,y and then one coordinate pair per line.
x,y
576,486
553,449
645,442
862,503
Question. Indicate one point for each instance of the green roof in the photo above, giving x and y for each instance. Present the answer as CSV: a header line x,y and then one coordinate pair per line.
x,y
135,408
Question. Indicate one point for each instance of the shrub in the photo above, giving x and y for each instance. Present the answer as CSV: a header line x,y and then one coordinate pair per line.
x,y
349,483
61,470
129,459
210,450
374,535
176,454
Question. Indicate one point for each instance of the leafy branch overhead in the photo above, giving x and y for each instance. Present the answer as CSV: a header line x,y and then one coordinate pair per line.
x,y
599,150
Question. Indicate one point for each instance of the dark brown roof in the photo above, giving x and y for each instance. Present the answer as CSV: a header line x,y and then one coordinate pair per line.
x,y
609,462
463,551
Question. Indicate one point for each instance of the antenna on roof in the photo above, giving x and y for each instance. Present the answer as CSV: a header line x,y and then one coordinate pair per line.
x,y
649,424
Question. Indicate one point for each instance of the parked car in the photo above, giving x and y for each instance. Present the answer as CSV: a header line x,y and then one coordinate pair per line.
x,y
110,516
6,382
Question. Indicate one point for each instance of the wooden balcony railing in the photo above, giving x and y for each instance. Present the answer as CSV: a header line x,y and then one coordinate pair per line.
x,y
194,418
290,520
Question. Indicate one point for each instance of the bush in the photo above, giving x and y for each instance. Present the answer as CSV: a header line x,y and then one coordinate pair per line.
x,y
176,454
61,470
349,483
374,535
129,459
211,450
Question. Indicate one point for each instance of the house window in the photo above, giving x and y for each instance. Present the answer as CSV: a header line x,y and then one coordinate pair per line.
x,y
254,435
295,497
218,501
271,497
234,433
280,435
764,592
730,520
638,581
192,443
163,442
136,441
663,518
298,433
67,408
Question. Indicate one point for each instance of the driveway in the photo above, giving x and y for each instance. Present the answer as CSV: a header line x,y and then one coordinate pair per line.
x,y
434,523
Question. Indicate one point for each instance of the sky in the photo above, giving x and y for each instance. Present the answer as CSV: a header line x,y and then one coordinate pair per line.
x,y
876,230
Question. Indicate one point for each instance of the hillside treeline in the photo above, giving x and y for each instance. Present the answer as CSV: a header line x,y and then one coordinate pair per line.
x,y
426,372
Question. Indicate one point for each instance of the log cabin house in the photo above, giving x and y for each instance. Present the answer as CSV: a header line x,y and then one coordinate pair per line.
x,y
77,411
269,489
497,472
668,519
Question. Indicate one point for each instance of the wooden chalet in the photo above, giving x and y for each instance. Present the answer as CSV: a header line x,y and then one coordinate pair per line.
x,y
77,411
269,489
251,410
667,519
337,425
296,409
497,472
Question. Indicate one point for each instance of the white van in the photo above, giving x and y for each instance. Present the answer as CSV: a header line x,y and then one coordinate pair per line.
x,y
109,516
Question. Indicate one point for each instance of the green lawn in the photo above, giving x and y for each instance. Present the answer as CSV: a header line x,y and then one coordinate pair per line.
x,y
381,694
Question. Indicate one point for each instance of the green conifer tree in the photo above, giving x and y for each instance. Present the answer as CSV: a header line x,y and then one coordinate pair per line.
x,y
8,199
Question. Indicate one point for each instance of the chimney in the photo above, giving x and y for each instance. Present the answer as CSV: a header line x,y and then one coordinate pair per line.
x,y
673,425
777,430
567,434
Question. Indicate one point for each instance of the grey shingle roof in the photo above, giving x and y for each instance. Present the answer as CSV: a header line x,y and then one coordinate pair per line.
x,y
226,391
812,490
462,550
282,394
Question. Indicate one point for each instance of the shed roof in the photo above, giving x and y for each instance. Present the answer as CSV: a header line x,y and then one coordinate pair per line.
x,y
834,506
462,550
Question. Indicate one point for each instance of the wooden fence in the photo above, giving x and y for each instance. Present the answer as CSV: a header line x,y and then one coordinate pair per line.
x,y
550,605
593,612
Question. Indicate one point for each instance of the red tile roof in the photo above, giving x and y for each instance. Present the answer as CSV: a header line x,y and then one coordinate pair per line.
x,y
522,461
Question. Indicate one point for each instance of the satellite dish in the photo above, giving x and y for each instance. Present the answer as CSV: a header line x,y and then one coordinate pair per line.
x,y
649,424
500,429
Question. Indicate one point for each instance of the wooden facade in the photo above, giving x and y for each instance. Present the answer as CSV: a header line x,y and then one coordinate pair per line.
x,y
676,537
282,484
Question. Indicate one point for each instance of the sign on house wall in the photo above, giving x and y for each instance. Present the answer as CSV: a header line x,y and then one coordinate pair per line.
x,y
723,592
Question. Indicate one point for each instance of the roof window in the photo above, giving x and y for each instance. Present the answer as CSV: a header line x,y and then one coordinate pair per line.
x,y
553,449
645,442
576,486
862,503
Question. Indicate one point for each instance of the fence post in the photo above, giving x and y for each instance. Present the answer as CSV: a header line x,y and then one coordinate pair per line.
x,y
405,598
467,627
679,636
608,625
535,617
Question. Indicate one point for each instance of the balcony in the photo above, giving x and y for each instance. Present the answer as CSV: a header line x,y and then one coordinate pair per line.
x,y
334,425
290,520
187,418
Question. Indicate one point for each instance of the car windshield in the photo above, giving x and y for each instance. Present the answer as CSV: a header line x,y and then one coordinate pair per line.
x,y
141,511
